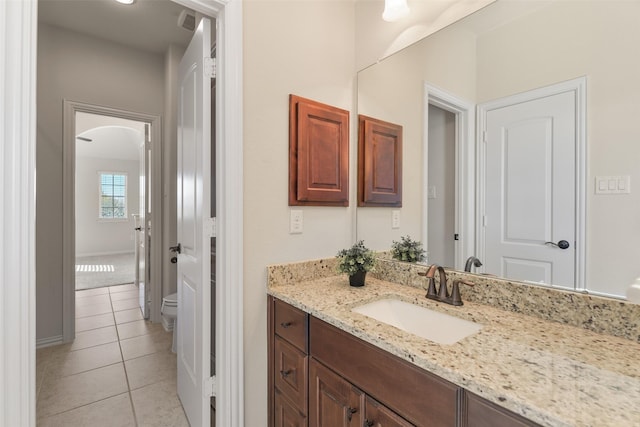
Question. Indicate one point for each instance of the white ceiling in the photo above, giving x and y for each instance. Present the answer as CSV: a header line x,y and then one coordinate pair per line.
x,y
111,137
149,25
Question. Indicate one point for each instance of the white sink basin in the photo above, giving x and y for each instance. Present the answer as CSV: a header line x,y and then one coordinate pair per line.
x,y
432,325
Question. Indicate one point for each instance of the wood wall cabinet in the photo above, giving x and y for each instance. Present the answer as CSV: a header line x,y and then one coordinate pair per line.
x,y
318,154
379,163
321,376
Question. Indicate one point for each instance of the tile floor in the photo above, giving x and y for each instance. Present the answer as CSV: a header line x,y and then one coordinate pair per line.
x,y
119,371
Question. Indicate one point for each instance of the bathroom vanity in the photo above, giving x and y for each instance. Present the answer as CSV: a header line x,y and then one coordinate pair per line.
x,y
331,366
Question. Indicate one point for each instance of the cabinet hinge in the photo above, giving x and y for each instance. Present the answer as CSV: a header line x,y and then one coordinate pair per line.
x,y
210,67
210,387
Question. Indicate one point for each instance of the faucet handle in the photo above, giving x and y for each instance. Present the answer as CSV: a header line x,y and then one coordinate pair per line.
x,y
455,291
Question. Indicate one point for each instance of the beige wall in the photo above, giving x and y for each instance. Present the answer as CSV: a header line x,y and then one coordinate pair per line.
x,y
377,39
393,90
290,47
546,45
597,40
78,68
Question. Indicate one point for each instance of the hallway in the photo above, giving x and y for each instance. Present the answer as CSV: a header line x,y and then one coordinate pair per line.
x,y
119,371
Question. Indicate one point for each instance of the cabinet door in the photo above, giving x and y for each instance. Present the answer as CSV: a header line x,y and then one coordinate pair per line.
x,y
333,401
378,415
287,415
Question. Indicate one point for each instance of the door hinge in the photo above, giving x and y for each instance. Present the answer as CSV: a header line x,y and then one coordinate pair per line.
x,y
484,136
210,387
484,220
210,227
456,236
210,67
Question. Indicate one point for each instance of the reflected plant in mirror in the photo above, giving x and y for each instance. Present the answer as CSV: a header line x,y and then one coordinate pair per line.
x,y
408,250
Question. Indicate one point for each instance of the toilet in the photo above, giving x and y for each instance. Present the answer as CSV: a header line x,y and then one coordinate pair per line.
x,y
169,310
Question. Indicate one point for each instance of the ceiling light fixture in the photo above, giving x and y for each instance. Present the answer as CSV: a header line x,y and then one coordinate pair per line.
x,y
395,10
126,1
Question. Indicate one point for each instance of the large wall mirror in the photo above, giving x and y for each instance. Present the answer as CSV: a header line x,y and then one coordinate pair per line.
x,y
434,90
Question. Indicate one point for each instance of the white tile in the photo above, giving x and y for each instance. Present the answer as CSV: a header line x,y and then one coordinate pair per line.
x,y
151,369
93,300
158,405
146,344
94,322
128,315
112,412
117,296
73,362
62,394
125,304
122,288
91,292
93,309
137,328
94,337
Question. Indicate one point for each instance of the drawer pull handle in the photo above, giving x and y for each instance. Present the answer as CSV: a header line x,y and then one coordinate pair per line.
x,y
286,373
286,324
368,423
350,412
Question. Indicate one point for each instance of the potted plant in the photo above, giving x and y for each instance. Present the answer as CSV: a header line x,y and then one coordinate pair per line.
x,y
356,261
407,250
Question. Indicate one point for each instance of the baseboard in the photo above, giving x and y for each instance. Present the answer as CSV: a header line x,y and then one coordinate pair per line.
x,y
49,341
78,255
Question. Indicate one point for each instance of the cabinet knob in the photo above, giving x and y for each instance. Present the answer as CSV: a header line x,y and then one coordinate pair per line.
x,y
368,423
286,373
286,324
350,412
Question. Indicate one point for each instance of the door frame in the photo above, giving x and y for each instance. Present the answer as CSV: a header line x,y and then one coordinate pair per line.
x,y
579,87
464,169
19,24
70,108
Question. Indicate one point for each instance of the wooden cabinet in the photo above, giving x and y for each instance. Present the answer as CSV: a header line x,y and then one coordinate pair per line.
x,y
378,415
480,412
321,376
288,365
333,401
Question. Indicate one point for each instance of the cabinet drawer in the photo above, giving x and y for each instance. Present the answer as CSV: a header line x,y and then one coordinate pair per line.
x,y
290,372
286,415
291,324
422,398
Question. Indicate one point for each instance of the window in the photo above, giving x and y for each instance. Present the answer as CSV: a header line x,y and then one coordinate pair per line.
x,y
113,196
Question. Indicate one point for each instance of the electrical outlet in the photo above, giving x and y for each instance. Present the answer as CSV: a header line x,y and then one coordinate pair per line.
x,y
295,222
395,219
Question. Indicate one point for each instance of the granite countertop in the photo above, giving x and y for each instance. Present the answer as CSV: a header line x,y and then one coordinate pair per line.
x,y
551,373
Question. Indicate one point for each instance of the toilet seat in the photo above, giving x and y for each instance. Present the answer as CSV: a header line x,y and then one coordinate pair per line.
x,y
171,299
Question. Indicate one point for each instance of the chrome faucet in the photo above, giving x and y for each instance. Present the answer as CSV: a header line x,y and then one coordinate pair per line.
x,y
472,261
442,292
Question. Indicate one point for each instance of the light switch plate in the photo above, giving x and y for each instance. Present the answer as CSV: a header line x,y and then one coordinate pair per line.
x,y
613,184
395,219
295,222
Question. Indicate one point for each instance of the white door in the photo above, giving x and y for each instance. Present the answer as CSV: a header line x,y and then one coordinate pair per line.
x,y
143,225
530,203
194,180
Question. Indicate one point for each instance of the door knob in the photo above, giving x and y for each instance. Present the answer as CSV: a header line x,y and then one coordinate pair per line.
x,y
176,249
562,244
174,260
138,228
